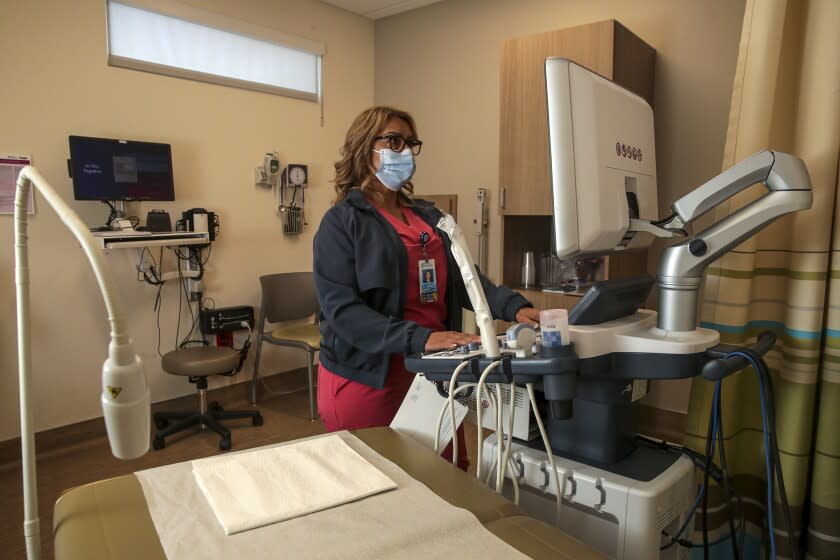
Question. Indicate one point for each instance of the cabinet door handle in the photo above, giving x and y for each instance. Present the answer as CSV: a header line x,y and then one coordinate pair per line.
x,y
501,197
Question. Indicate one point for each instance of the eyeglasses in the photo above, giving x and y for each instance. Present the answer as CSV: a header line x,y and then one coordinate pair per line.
x,y
397,143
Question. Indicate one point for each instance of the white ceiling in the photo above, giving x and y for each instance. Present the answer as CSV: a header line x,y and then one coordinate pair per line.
x,y
375,9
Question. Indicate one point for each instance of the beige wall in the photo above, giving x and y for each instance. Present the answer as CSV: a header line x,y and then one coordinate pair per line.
x,y
439,62
442,64
56,83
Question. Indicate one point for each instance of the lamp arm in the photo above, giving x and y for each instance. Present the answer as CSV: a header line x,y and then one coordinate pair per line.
x,y
30,176
125,398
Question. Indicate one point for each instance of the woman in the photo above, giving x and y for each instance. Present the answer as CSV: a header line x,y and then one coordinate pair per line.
x,y
385,277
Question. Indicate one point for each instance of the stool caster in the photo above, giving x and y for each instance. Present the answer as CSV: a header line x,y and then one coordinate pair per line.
x,y
224,444
257,420
158,442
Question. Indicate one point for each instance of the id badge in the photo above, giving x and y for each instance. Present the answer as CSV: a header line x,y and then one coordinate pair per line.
x,y
428,281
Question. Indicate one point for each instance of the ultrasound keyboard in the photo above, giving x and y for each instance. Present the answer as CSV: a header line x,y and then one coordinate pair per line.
x,y
464,352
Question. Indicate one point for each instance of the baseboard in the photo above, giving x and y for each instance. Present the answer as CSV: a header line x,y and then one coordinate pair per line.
x,y
56,440
661,423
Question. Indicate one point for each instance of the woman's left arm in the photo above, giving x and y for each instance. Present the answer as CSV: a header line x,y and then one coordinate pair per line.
x,y
506,304
529,315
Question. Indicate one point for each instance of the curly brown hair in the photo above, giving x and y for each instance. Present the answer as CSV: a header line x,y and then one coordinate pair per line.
x,y
355,170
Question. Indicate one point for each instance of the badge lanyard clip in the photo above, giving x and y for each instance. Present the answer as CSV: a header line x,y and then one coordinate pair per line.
x,y
428,276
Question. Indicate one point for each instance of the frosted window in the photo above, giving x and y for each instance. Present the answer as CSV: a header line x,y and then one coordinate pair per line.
x,y
154,42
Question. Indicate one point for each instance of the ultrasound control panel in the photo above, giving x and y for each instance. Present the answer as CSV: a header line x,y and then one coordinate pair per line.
x,y
438,366
466,351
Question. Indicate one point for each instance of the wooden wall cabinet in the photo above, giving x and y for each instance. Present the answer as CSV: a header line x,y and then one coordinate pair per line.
x,y
446,202
605,47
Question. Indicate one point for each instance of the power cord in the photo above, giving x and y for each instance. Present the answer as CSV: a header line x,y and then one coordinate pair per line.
x,y
467,388
500,441
509,444
183,291
478,410
772,466
737,543
180,302
450,403
702,494
718,474
771,405
193,256
158,303
150,275
538,417
711,439
111,215
772,456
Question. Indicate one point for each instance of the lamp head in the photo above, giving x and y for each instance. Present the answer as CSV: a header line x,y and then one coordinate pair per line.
x,y
125,401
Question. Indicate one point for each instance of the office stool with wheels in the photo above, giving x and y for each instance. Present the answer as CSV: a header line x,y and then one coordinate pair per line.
x,y
197,363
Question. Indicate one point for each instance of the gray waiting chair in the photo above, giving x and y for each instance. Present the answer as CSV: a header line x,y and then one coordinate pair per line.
x,y
287,297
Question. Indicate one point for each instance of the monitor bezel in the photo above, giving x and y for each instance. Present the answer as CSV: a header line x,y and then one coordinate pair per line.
x,y
131,143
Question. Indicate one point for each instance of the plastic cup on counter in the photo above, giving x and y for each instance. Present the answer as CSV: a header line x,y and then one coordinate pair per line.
x,y
529,273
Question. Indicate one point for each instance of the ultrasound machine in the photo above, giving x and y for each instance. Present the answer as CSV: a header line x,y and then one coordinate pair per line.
x,y
599,481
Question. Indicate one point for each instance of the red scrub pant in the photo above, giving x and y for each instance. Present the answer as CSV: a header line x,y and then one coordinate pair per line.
x,y
349,405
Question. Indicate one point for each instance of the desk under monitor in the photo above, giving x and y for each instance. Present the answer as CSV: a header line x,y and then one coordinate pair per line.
x,y
140,239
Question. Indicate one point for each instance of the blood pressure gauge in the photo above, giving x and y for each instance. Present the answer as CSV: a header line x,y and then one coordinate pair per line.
x,y
298,175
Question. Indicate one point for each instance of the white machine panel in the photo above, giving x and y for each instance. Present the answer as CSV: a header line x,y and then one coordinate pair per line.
x,y
622,517
638,333
524,427
602,148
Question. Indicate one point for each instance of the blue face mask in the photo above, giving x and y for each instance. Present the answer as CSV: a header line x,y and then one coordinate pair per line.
x,y
395,168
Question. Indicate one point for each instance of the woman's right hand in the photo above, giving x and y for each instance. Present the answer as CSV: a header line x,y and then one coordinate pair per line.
x,y
447,340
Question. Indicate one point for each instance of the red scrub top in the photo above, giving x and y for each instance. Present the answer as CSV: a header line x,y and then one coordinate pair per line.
x,y
347,405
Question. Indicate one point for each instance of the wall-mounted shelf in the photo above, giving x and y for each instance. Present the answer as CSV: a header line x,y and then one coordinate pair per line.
x,y
121,240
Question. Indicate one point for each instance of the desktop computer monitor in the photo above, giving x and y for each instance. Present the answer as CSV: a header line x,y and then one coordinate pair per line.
x,y
116,170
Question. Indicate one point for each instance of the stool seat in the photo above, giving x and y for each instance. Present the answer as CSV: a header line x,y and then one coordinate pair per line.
x,y
198,363
201,361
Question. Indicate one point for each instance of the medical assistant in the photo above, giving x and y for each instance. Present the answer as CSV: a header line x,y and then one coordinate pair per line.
x,y
367,277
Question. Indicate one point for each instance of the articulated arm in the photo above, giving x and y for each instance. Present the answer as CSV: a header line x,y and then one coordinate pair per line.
x,y
777,170
682,265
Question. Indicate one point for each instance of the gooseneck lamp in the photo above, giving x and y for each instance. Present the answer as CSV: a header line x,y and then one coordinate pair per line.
x,y
125,392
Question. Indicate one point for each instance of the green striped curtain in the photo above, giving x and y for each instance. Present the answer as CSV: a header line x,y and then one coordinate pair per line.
x,y
786,96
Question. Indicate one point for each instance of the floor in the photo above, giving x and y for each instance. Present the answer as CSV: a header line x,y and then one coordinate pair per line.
x,y
89,459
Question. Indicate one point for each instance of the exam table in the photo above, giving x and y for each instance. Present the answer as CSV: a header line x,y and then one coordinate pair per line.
x,y
109,518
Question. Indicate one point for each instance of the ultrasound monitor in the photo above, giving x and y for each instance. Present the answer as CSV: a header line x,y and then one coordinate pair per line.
x,y
603,164
115,170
